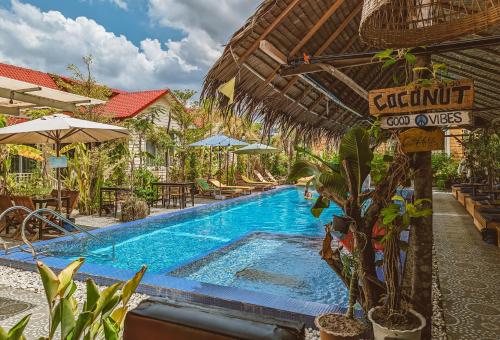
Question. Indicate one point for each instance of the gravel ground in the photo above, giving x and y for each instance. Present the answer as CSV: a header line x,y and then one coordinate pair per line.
x,y
31,281
438,323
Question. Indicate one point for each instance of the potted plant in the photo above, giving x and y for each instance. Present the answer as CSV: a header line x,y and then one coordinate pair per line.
x,y
342,183
395,319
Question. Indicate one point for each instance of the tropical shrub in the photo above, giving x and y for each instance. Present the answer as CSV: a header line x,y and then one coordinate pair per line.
x,y
134,208
101,316
396,218
445,170
342,183
143,185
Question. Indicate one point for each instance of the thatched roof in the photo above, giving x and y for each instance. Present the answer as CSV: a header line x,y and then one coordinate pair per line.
x,y
317,103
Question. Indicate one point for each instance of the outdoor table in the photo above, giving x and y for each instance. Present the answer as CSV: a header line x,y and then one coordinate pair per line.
x,y
116,191
183,187
41,202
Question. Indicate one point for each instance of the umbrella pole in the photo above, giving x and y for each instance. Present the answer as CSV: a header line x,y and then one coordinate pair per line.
x,y
210,164
58,175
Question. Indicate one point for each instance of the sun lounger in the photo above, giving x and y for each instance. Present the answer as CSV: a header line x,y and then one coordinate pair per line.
x,y
255,184
262,179
221,186
274,179
212,190
166,319
204,189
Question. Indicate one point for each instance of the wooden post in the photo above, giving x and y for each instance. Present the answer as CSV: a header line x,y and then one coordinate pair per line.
x,y
421,237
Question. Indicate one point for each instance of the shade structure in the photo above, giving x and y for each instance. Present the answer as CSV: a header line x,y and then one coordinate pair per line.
x,y
219,140
16,95
60,129
256,149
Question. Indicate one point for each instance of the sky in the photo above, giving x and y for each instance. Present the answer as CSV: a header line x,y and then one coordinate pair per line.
x,y
136,44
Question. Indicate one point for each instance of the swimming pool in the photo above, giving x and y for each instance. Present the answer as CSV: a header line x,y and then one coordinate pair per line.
x,y
255,253
163,243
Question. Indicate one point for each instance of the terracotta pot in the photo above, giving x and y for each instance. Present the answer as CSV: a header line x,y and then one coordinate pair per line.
x,y
380,332
328,334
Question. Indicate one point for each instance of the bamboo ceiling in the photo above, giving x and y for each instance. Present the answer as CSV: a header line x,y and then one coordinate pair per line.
x,y
318,104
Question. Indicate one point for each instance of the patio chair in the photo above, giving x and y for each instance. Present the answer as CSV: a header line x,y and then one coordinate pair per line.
x,y
257,185
13,219
73,200
236,188
34,226
262,179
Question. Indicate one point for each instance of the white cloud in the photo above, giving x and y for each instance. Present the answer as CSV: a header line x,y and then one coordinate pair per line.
x,y
120,3
49,41
207,24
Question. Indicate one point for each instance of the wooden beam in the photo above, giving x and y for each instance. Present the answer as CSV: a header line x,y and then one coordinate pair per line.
x,y
271,50
304,94
268,30
333,8
304,40
346,80
275,52
340,29
431,49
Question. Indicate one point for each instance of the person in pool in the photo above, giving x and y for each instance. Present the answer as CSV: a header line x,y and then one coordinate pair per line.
x,y
308,195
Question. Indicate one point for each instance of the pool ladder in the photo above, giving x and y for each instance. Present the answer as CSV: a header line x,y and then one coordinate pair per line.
x,y
36,214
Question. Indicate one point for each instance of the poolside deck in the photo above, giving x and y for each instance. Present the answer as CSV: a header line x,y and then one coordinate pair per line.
x,y
469,273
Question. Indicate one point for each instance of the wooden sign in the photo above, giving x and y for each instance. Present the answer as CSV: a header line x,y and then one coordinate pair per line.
x,y
448,119
417,140
458,95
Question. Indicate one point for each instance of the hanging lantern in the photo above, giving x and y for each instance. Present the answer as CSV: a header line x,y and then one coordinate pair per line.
x,y
410,23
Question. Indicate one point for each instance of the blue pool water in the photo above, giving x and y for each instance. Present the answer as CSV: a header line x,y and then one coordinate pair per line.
x,y
274,264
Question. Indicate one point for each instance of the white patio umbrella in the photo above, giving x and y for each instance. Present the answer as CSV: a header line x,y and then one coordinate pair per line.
x,y
256,149
60,129
218,141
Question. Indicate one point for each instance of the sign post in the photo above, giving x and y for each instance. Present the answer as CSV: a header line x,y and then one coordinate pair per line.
x,y
419,140
450,118
456,95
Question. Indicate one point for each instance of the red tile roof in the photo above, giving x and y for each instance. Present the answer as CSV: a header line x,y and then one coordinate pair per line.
x,y
127,105
27,75
122,104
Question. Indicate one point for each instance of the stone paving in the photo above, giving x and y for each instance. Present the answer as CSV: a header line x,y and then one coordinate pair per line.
x,y
469,273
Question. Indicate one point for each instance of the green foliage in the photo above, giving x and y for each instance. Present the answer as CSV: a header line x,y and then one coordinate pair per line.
x,y
36,185
143,188
332,179
379,166
445,169
101,316
16,332
482,153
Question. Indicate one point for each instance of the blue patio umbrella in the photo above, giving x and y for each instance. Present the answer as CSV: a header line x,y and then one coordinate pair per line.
x,y
219,141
